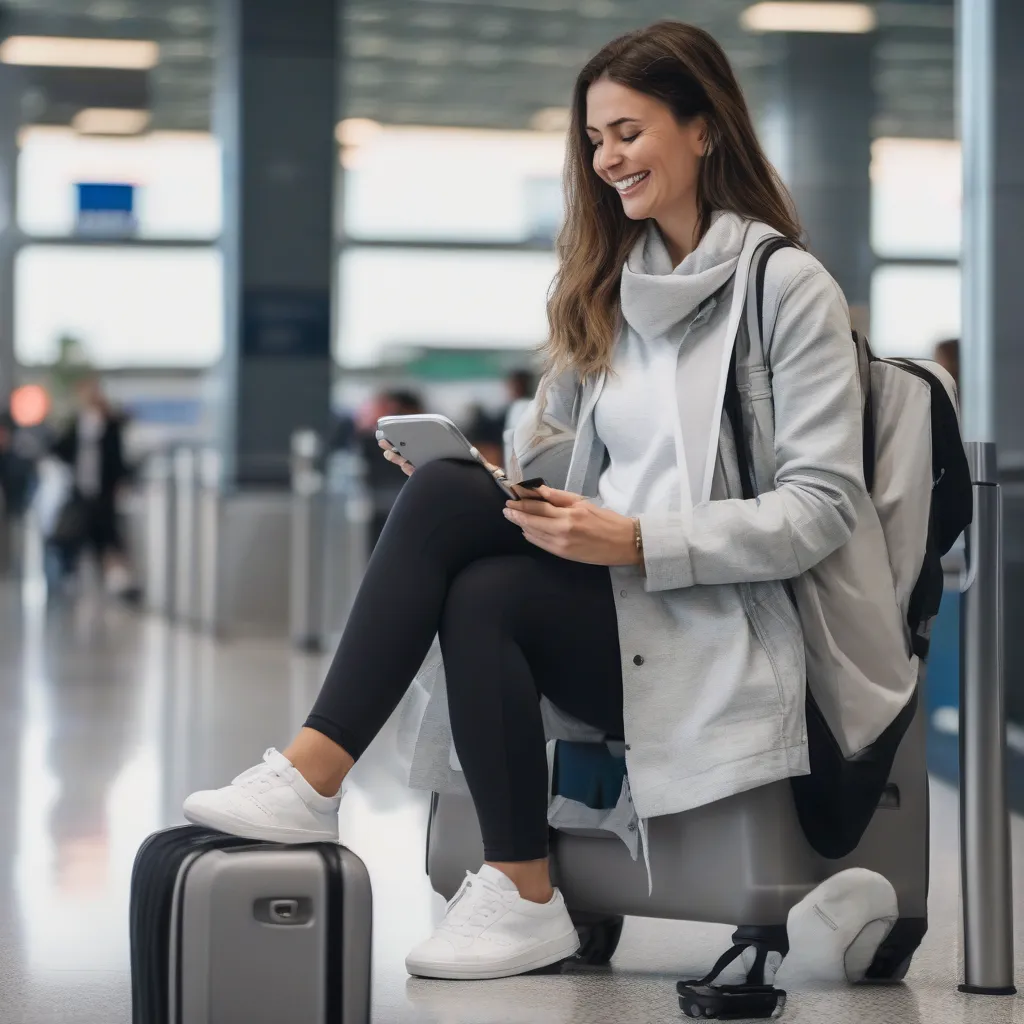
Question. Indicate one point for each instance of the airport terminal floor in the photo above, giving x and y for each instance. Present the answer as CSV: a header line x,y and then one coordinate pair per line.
x,y
108,719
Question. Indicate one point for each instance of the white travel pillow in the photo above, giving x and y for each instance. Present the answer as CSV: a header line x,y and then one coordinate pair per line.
x,y
834,932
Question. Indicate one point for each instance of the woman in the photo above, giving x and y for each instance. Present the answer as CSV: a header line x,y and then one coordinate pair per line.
x,y
652,609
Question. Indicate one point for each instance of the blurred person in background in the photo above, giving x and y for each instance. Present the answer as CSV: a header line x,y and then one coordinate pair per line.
x,y
17,468
6,441
521,386
624,597
490,432
947,355
483,430
92,446
384,485
7,514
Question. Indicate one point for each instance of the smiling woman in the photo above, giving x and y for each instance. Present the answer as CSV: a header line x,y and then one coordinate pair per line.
x,y
659,115
649,157
631,594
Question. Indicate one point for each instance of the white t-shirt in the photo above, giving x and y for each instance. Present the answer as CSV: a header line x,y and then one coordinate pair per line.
x,y
635,418
88,465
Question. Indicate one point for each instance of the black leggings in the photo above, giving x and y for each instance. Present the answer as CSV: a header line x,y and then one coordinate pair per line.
x,y
514,622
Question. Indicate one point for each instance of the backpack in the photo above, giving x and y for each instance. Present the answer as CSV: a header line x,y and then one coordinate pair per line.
x,y
922,510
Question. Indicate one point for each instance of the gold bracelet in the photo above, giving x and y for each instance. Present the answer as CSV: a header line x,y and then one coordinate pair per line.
x,y
638,538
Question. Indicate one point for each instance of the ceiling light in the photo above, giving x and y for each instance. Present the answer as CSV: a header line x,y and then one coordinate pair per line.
x,y
356,131
55,51
809,17
110,121
550,119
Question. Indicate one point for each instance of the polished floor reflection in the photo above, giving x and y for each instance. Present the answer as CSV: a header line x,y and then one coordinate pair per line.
x,y
107,720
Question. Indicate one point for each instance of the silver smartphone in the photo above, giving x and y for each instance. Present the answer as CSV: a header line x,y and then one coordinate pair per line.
x,y
425,437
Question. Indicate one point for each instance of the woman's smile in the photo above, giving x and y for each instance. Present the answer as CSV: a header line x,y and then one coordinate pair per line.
x,y
631,184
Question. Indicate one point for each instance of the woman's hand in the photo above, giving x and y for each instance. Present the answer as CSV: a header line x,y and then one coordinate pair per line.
x,y
395,459
567,525
407,467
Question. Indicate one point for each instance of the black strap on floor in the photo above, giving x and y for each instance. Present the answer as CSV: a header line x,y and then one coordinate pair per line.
x,y
703,1000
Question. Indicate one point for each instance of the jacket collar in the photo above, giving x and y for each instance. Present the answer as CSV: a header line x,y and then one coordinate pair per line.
x,y
655,296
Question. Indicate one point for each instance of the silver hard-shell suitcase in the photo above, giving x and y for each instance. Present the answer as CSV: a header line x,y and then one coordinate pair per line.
x,y
742,861
226,930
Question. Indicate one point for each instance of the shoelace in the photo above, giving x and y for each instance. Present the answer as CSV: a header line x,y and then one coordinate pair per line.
x,y
473,907
260,777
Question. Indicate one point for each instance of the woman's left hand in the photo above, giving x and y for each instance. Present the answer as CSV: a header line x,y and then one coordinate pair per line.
x,y
567,525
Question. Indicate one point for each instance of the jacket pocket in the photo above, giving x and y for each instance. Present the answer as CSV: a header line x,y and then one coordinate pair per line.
x,y
777,625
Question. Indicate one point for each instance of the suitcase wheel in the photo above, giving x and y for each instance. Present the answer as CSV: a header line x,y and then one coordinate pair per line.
x,y
599,937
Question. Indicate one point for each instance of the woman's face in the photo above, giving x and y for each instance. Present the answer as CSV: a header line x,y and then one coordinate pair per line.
x,y
642,151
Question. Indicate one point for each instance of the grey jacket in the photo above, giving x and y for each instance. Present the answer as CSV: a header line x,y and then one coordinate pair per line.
x,y
717,707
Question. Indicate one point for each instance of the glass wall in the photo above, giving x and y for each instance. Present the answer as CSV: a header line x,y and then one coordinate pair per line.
x,y
147,294
915,235
175,175
128,306
436,184
451,149
392,300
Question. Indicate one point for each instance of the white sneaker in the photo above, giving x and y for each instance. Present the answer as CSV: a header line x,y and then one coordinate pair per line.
x,y
271,803
835,931
490,931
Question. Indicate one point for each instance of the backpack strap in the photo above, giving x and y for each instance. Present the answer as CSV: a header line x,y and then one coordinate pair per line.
x,y
733,408
735,414
765,254
865,357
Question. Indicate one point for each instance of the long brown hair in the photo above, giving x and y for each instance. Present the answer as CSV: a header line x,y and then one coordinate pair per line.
x,y
686,69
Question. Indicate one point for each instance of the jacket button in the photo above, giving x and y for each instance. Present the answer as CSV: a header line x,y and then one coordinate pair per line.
x,y
622,593
638,659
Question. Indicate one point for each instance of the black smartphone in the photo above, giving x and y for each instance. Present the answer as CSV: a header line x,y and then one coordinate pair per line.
x,y
526,490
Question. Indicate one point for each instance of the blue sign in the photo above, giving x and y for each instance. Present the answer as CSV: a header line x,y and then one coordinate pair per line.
x,y
106,209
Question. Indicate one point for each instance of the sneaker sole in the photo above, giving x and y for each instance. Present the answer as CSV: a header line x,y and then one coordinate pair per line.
x,y
555,951
232,826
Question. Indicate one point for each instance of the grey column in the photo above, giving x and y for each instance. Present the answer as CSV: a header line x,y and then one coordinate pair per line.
x,y
991,41
275,114
10,122
818,133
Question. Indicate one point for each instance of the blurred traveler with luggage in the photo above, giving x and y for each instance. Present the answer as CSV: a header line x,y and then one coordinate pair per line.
x,y
92,446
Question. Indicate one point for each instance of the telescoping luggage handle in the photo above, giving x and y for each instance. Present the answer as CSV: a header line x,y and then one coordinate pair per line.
x,y
985,864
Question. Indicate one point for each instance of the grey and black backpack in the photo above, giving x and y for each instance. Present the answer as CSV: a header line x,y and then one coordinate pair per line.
x,y
923,509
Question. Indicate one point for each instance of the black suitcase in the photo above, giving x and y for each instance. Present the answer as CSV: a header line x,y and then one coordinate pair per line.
x,y
231,931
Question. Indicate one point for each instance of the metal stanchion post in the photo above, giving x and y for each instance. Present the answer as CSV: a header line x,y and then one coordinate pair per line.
x,y
358,517
159,532
208,518
985,865
308,543
185,576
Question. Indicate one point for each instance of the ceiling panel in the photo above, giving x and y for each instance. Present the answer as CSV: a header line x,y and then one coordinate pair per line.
x,y
488,63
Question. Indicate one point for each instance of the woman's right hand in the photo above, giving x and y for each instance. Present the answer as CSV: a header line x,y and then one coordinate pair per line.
x,y
395,459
